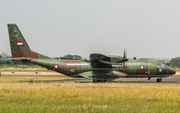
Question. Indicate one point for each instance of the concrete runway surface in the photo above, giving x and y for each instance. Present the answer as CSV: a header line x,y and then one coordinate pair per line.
x,y
171,80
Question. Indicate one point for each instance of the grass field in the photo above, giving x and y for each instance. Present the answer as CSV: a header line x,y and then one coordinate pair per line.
x,y
28,78
22,67
88,97
30,73
18,94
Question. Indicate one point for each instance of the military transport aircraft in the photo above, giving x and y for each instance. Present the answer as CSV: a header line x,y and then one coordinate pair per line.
x,y
100,68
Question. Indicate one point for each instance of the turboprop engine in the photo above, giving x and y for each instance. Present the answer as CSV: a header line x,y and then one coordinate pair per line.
x,y
114,60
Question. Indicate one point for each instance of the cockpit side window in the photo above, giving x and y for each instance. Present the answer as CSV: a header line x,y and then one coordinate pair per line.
x,y
164,64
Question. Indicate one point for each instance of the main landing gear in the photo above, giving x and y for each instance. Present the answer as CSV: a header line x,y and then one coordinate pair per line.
x,y
159,80
99,81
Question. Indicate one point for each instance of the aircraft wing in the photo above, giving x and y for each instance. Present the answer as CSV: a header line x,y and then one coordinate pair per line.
x,y
100,70
102,67
96,61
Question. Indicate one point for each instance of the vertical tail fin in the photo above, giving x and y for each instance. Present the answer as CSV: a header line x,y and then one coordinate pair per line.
x,y
19,47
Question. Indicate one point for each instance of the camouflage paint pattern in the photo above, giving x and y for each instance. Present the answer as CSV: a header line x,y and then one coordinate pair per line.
x,y
100,67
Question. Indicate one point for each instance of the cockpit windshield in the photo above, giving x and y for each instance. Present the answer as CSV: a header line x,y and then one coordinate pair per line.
x,y
161,64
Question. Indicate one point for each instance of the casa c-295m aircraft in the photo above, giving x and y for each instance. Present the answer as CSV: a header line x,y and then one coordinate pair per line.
x,y
100,68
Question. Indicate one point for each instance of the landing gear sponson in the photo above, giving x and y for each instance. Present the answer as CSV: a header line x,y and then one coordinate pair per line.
x,y
99,81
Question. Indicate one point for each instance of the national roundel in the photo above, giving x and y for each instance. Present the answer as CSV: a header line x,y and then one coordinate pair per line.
x,y
55,66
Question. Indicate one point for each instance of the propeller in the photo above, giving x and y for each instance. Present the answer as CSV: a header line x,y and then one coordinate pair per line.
x,y
125,59
125,55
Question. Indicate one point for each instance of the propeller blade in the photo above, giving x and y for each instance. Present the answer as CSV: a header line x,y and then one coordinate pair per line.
x,y
125,55
125,59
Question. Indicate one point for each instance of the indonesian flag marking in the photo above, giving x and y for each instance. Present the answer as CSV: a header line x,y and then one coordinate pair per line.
x,y
55,66
19,42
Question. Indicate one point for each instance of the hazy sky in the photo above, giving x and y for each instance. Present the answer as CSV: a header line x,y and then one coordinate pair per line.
x,y
147,28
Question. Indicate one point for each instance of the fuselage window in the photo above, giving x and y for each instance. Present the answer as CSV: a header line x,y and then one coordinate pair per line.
x,y
134,67
81,67
141,67
138,67
144,66
78,67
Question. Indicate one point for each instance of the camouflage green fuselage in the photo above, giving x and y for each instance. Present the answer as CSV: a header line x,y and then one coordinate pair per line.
x,y
134,68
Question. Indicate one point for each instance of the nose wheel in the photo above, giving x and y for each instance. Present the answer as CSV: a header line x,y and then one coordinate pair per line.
x,y
159,80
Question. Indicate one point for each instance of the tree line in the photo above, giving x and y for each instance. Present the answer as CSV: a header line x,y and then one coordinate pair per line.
x,y
174,62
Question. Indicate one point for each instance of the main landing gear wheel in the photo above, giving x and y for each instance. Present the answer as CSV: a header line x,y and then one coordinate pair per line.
x,y
99,81
94,81
159,80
